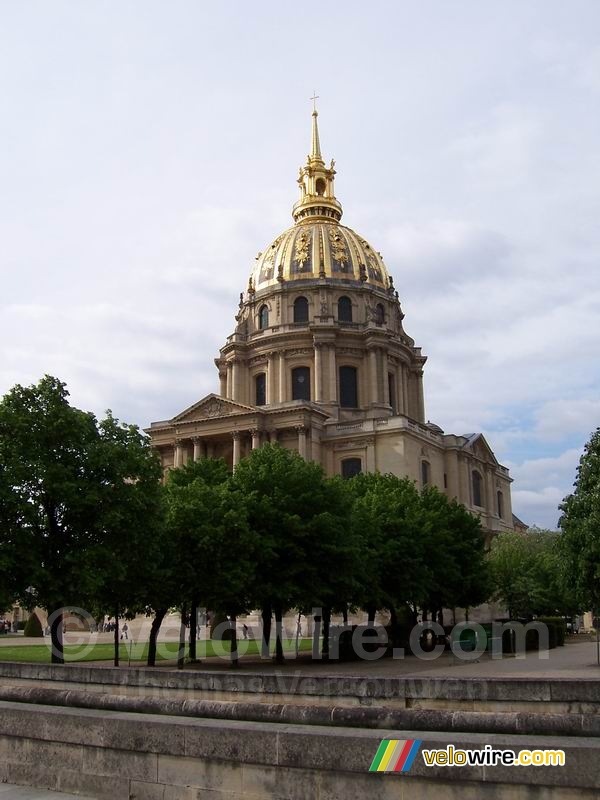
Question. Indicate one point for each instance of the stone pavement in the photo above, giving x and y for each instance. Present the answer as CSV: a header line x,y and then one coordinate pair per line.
x,y
9,792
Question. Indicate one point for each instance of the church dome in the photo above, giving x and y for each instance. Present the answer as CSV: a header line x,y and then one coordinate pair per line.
x,y
320,249
317,246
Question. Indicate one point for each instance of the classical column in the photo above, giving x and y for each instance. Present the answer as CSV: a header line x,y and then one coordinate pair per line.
x,y
373,381
385,394
199,448
301,440
229,391
406,398
282,382
255,434
371,464
401,408
236,379
273,437
318,372
332,375
420,398
178,455
271,379
223,384
489,485
235,435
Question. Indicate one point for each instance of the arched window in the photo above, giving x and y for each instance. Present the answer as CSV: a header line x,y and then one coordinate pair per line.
x,y
379,314
301,383
348,387
320,186
351,467
263,317
301,309
344,309
260,385
476,481
425,470
500,505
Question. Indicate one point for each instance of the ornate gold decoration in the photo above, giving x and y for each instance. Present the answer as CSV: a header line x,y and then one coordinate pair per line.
x,y
302,248
270,256
338,246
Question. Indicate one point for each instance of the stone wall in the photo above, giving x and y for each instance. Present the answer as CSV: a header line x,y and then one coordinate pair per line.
x,y
126,755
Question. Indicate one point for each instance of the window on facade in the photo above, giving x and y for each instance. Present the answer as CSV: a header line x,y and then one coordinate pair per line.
x,y
344,309
476,481
263,317
500,505
301,383
348,387
379,314
445,481
392,391
425,473
301,309
351,467
260,383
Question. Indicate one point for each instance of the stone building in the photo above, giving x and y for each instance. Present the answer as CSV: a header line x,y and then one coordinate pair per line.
x,y
319,361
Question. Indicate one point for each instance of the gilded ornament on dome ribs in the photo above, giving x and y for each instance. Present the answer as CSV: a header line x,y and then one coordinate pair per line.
x,y
338,246
270,256
301,249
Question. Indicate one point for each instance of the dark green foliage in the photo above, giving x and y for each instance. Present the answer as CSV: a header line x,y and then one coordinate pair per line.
x,y
33,627
580,523
79,502
527,571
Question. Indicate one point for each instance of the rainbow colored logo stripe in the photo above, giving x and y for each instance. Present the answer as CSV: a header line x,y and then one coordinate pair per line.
x,y
395,755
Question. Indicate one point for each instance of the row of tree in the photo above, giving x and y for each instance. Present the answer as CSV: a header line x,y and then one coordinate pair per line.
x,y
85,521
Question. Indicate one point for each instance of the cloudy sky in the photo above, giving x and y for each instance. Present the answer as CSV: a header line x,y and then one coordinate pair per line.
x,y
149,150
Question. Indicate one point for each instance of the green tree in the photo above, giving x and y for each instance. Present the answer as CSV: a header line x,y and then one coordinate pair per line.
x,y
580,524
209,548
527,573
389,520
130,537
287,502
70,488
455,555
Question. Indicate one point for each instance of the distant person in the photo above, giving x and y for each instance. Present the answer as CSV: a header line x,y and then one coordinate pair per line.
x,y
125,631
245,629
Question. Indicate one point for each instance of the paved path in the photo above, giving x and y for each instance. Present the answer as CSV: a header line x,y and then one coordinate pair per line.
x,y
8,792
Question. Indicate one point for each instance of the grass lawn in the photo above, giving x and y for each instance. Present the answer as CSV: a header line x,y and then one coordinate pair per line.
x,y
40,653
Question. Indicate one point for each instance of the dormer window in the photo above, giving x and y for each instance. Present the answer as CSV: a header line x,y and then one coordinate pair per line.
x,y
320,186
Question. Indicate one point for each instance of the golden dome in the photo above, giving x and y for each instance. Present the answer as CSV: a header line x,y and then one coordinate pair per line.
x,y
319,250
317,246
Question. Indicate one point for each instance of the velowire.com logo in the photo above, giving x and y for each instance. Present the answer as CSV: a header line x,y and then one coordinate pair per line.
x,y
395,755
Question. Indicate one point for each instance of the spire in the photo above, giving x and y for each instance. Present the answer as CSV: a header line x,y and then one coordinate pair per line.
x,y
317,198
315,150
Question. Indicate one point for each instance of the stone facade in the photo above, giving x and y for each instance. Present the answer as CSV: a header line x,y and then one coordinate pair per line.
x,y
319,361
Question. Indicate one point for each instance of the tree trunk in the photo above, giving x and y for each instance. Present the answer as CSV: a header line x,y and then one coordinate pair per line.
x,y
316,655
265,645
279,657
156,623
181,647
326,626
371,611
56,638
193,629
234,659
116,637
441,617
345,615
393,616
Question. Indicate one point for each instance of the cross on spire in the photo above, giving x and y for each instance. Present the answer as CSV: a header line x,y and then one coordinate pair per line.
x,y
314,98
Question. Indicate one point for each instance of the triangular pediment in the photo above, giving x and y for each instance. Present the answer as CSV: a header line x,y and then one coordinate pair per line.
x,y
211,407
477,445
